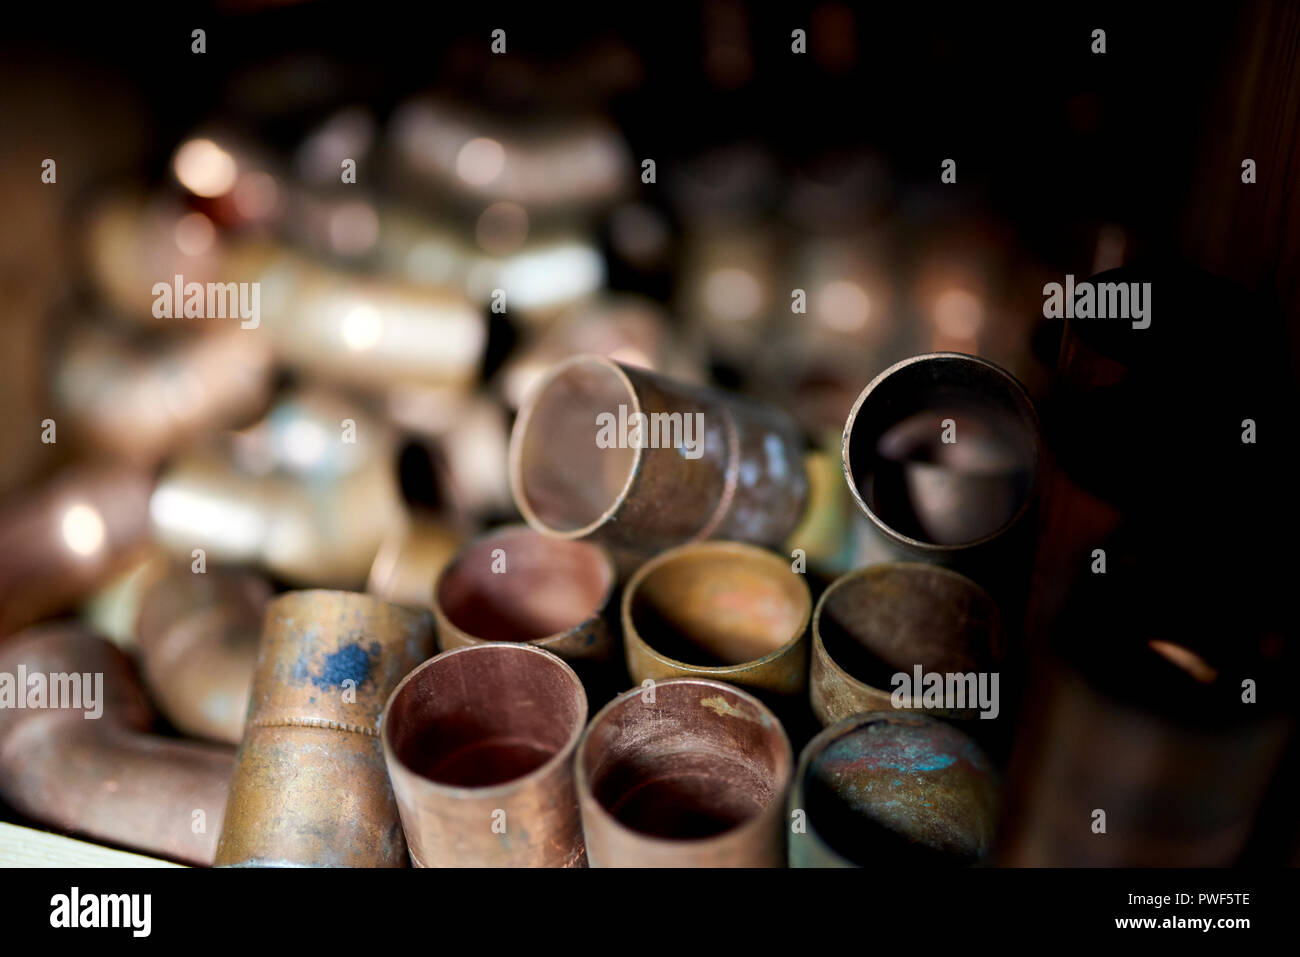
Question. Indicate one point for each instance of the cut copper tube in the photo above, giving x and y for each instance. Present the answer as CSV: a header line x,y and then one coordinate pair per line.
x,y
958,503
411,558
479,743
722,610
102,777
517,585
876,622
74,533
684,773
310,787
198,637
723,467
893,790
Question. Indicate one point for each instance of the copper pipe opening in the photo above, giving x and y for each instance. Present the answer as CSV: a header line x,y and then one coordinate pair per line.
x,y
920,488
689,772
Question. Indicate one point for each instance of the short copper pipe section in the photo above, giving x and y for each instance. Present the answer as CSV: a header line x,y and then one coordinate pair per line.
x,y
518,585
310,787
722,610
410,558
104,777
684,773
941,454
892,790
198,635
876,622
479,743
703,464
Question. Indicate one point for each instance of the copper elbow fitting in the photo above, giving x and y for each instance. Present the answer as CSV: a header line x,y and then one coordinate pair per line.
x,y
198,636
517,585
684,773
720,610
713,465
102,777
310,787
892,790
479,743
876,622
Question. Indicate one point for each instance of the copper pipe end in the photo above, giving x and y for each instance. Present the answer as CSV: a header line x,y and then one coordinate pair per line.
x,y
877,622
310,786
75,754
517,585
479,744
684,773
720,610
892,790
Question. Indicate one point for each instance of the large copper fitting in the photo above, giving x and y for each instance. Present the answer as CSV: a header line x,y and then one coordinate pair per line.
x,y
517,585
887,619
102,777
198,635
892,790
713,465
310,786
684,773
479,743
941,454
61,541
722,610
410,559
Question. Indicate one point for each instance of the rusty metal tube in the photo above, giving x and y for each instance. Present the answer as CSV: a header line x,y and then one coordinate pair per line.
x,y
878,621
641,462
722,610
103,777
886,789
310,787
479,743
684,773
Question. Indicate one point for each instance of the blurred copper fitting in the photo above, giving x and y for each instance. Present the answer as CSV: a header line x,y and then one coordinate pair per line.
x,y
684,773
827,535
731,290
198,636
310,786
892,790
71,535
723,468
479,743
410,559
517,585
141,400
720,610
958,503
102,776
879,621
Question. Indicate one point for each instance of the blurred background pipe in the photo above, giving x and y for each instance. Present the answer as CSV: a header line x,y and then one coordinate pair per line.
x,y
410,559
327,663
684,773
479,744
106,778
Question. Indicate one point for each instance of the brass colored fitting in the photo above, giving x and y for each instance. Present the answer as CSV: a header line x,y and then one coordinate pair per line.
x,y
410,559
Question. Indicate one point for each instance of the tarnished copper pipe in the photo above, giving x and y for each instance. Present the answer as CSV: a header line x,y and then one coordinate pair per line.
x,y
720,610
876,622
479,743
712,465
410,559
105,777
684,773
310,786
198,636
886,789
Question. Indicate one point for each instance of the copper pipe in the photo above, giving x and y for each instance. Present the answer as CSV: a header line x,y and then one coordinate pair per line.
x,y
719,610
479,744
892,790
62,540
686,773
198,636
105,777
310,786
875,622
728,468
410,559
